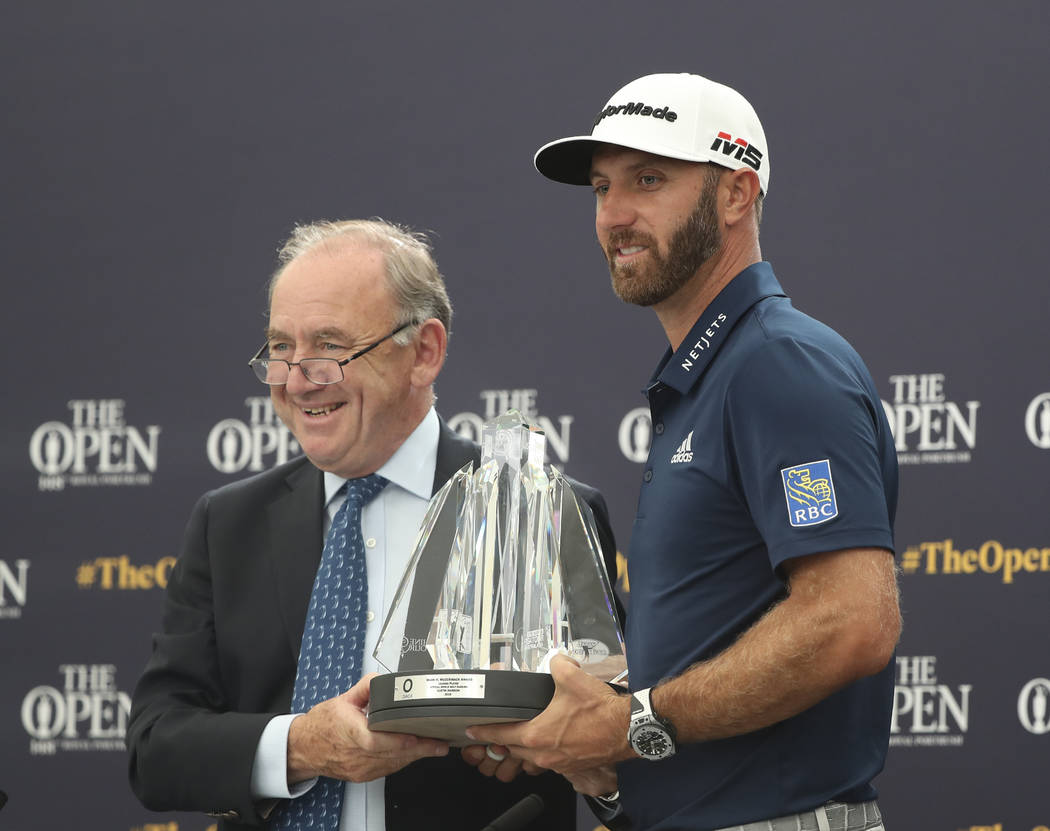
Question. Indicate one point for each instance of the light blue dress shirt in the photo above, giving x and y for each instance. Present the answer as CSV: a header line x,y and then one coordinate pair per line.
x,y
389,525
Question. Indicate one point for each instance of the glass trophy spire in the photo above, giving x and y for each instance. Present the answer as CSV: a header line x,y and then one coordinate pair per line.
x,y
507,570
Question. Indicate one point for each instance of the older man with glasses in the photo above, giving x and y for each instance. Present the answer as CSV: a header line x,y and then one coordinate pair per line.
x,y
252,705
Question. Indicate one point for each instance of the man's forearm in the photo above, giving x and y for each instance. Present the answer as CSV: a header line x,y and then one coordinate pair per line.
x,y
839,623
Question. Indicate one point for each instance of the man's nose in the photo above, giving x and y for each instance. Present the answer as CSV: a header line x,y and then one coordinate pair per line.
x,y
615,210
298,382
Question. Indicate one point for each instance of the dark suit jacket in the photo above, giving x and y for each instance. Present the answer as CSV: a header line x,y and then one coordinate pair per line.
x,y
224,663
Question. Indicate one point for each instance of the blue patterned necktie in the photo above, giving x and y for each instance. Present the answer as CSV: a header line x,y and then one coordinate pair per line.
x,y
333,643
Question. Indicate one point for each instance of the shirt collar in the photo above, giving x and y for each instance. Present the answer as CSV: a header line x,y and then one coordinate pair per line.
x,y
412,465
681,369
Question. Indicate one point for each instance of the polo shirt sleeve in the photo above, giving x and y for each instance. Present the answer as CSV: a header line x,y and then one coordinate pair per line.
x,y
806,433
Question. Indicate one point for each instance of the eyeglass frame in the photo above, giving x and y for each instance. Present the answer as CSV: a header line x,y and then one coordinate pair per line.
x,y
337,361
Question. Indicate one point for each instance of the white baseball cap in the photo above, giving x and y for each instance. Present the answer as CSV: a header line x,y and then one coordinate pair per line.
x,y
681,116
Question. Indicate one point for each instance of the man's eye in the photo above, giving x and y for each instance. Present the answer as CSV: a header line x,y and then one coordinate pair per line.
x,y
278,348
332,347
649,179
601,190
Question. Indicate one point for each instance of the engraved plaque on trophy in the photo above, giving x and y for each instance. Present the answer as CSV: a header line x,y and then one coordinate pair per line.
x,y
507,571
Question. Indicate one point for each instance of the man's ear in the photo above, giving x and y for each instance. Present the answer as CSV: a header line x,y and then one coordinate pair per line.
x,y
431,344
742,189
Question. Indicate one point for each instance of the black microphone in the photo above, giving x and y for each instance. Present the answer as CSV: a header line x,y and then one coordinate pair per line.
x,y
517,816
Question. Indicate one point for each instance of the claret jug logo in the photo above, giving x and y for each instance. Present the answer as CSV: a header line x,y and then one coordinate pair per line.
x,y
13,588
925,712
1037,421
927,428
87,713
1033,706
741,149
498,402
636,434
263,441
97,448
810,493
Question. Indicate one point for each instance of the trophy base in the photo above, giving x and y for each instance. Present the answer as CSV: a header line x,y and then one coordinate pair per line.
x,y
442,704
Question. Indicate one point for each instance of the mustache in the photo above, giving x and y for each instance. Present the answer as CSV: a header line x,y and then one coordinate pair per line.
x,y
625,239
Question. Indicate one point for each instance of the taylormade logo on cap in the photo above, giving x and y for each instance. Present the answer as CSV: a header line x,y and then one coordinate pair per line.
x,y
636,109
680,116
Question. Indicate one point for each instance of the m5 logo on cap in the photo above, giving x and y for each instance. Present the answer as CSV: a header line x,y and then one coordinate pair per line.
x,y
743,151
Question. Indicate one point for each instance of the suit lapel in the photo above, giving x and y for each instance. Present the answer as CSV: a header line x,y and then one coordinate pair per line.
x,y
453,452
294,547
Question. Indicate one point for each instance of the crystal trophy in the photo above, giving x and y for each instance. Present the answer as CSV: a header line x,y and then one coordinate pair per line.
x,y
507,572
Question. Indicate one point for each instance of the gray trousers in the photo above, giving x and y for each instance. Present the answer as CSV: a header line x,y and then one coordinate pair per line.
x,y
832,816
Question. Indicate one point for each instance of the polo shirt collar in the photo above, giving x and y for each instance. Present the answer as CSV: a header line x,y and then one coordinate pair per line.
x,y
682,369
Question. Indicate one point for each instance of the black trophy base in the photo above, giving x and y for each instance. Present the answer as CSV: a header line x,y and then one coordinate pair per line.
x,y
442,704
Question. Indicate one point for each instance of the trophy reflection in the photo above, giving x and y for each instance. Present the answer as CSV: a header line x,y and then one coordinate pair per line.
x,y
507,572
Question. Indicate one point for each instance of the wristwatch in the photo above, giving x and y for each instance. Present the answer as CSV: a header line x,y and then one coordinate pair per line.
x,y
651,736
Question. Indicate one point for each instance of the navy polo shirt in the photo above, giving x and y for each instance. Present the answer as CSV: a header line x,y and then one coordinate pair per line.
x,y
769,442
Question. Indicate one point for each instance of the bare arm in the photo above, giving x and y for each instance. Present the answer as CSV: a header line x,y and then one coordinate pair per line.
x,y
839,622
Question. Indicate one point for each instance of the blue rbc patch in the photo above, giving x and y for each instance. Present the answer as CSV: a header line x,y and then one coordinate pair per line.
x,y
810,493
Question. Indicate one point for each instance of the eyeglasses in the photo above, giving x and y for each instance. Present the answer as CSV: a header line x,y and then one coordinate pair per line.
x,y
275,371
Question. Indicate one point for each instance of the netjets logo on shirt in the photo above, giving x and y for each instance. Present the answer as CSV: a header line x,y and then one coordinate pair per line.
x,y
684,453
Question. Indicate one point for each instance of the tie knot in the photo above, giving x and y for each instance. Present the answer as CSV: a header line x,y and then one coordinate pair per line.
x,y
364,490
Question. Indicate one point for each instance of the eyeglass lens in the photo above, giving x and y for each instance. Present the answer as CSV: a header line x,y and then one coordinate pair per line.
x,y
317,370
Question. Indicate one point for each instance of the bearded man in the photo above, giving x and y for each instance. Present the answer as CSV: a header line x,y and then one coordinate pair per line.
x,y
764,611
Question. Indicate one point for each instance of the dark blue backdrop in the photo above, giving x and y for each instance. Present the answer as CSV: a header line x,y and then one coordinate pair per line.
x,y
154,154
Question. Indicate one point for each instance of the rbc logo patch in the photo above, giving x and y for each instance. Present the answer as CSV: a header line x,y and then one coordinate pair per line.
x,y
810,493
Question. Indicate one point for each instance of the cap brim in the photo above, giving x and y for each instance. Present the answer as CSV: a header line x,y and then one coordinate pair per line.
x,y
567,160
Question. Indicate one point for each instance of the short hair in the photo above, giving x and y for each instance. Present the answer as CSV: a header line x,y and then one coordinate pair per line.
x,y
416,285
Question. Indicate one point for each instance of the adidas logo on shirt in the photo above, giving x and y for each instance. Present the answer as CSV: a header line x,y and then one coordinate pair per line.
x,y
684,453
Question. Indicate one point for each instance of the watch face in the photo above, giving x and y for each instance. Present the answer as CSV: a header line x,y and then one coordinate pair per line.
x,y
652,742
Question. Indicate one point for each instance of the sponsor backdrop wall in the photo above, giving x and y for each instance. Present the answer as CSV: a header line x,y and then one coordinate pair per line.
x,y
155,154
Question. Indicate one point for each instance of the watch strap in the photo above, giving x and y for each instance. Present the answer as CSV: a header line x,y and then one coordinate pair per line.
x,y
642,704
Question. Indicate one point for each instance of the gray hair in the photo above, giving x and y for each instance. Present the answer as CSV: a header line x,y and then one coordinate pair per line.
x,y
416,285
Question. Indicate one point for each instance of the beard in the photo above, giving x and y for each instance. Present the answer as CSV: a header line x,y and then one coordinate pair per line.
x,y
692,244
